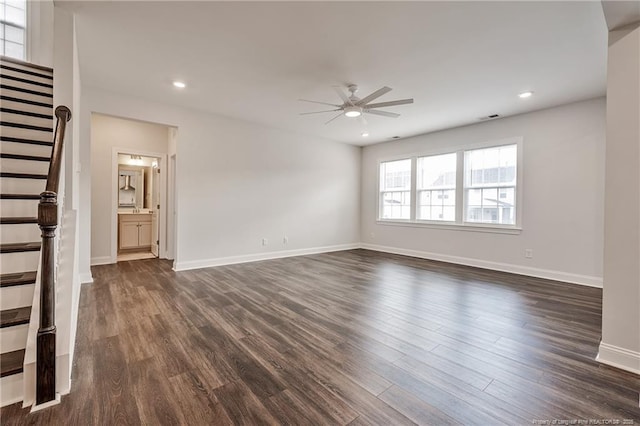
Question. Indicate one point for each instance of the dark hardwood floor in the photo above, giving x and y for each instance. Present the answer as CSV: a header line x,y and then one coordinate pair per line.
x,y
354,337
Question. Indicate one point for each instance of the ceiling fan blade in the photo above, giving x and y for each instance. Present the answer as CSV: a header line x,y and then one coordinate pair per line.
x,y
319,112
342,95
382,113
374,95
316,102
333,118
390,103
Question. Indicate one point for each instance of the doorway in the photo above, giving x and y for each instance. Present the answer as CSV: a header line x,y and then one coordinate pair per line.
x,y
140,186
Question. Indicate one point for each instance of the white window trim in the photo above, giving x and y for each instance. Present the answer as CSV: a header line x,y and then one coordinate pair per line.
x,y
459,224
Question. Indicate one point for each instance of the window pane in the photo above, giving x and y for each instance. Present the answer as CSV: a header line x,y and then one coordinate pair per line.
x,y
491,166
14,15
438,171
20,4
14,50
14,34
395,175
395,205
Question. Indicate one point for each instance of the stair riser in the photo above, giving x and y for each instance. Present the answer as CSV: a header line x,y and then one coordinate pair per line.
x,y
20,233
23,208
16,132
8,91
21,106
27,68
23,166
27,186
26,85
26,149
18,262
18,74
28,120
12,389
16,297
13,338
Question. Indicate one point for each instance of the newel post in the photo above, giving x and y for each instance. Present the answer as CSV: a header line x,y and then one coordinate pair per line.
x,y
46,341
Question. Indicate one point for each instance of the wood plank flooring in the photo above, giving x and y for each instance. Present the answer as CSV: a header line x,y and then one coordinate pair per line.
x,y
353,337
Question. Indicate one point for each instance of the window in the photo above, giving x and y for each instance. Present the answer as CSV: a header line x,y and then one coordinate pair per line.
x,y
490,185
436,187
12,28
395,189
475,187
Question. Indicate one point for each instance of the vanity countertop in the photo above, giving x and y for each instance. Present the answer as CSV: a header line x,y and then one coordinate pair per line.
x,y
130,212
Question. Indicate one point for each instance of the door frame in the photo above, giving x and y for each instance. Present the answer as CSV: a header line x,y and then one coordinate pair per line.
x,y
162,216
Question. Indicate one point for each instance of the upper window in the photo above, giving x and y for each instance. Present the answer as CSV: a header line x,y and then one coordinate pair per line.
x,y
476,186
395,189
490,185
13,19
436,182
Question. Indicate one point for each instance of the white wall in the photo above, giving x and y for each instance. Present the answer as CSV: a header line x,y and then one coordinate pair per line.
x,y
621,296
562,216
108,133
238,183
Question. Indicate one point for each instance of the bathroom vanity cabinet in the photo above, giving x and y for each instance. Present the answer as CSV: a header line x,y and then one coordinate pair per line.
x,y
134,231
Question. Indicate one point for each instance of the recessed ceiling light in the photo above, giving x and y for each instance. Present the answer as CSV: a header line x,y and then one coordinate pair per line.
x,y
365,134
179,84
525,94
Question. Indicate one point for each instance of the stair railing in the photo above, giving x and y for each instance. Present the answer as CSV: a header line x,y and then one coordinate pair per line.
x,y
48,222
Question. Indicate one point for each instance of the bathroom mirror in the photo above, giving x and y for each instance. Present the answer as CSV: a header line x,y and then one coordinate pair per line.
x,y
130,187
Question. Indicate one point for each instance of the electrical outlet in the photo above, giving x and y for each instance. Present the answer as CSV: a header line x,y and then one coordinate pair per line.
x,y
372,235
265,241
285,239
528,253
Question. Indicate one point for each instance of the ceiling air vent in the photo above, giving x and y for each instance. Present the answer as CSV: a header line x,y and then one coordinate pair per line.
x,y
489,117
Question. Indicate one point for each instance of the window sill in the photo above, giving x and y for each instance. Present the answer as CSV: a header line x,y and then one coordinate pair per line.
x,y
513,230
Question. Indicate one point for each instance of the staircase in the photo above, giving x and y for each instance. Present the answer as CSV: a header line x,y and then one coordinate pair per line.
x,y
26,135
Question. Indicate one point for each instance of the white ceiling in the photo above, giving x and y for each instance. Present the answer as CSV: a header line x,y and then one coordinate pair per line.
x,y
458,60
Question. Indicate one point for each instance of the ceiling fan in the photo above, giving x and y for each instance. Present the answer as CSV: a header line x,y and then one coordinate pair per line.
x,y
353,106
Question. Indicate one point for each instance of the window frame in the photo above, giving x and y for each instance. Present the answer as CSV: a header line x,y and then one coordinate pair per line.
x,y
25,31
461,198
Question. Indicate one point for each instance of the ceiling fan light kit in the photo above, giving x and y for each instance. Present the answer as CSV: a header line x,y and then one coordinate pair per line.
x,y
353,106
353,111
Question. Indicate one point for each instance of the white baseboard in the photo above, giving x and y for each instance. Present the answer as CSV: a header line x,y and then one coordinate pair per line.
x,y
230,260
101,260
586,280
86,278
618,357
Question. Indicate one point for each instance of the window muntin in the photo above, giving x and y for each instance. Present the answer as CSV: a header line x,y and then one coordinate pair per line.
x,y
395,190
436,187
490,185
12,28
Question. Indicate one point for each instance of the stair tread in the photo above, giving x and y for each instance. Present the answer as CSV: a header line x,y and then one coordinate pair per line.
x,y
22,175
27,81
17,316
11,363
27,113
19,196
14,220
23,157
26,126
19,247
25,140
17,278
